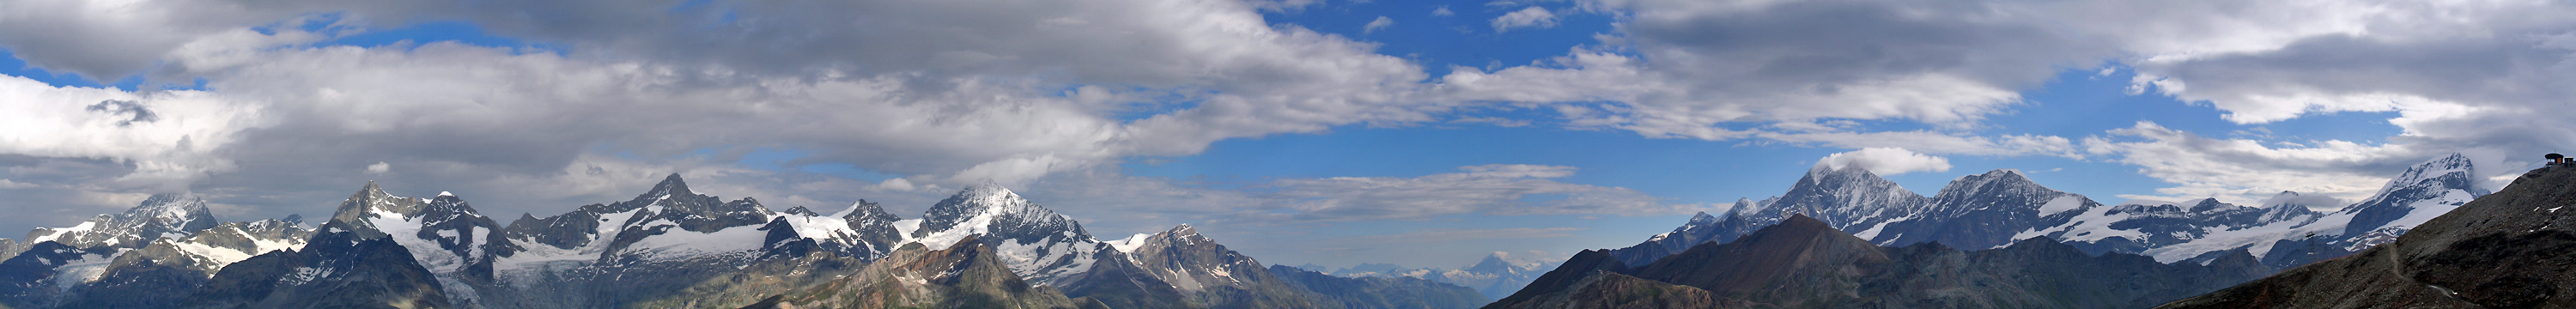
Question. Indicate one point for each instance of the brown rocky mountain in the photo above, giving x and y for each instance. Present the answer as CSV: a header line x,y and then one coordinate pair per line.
x,y
2512,249
966,275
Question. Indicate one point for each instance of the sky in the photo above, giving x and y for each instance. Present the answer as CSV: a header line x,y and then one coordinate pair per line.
x,y
1328,132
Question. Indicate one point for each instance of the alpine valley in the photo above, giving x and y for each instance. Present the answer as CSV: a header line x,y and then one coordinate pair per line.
x,y
1839,238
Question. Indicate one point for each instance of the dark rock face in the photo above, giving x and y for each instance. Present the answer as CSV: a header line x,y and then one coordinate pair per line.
x,y
29,279
2511,249
1609,290
875,230
1377,292
1805,263
337,269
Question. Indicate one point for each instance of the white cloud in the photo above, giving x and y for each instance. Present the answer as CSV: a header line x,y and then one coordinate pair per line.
x,y
1499,189
1442,11
1885,161
171,138
2244,171
1531,17
1380,23
975,94
379,168
1449,235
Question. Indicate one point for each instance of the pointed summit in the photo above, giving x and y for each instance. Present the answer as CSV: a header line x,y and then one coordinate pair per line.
x,y
2424,191
1184,230
670,186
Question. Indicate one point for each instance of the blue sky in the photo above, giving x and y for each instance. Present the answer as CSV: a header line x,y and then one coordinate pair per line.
x,y
1295,131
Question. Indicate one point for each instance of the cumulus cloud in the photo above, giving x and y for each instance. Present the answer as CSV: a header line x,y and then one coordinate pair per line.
x,y
2245,171
1448,235
1531,17
1380,23
1885,161
379,168
2489,75
976,94
1501,189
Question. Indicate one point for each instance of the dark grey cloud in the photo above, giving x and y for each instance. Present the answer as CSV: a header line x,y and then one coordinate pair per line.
x,y
131,111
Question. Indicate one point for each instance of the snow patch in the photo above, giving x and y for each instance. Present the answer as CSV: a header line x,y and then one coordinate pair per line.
x,y
2062,203
1130,244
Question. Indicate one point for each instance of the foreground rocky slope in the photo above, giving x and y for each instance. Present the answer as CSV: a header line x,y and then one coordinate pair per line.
x,y
2513,249
1805,263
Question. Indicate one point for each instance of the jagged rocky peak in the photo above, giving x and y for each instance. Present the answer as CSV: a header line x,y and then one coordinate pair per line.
x,y
2005,189
801,211
372,201
866,213
1842,196
1184,232
158,216
670,186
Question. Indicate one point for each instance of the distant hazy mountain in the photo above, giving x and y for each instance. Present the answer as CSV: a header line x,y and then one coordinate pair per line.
x,y
1379,292
1495,276
1803,262
2513,249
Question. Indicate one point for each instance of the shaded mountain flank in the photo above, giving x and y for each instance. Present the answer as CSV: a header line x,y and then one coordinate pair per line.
x,y
2512,249
1803,262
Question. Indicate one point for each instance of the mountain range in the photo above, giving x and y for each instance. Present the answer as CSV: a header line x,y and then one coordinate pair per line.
x,y
1802,262
667,248
2002,207
1838,236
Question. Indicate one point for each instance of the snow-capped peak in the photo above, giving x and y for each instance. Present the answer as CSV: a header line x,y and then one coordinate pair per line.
x,y
159,216
2429,180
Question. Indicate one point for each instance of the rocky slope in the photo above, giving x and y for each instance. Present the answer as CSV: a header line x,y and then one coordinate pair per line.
x,y
1805,263
2513,249
966,274
1214,276
339,268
